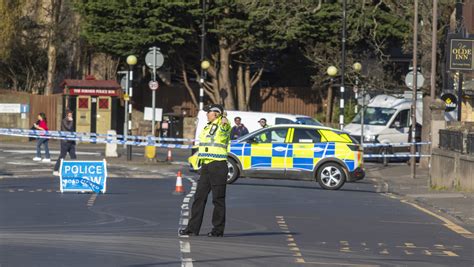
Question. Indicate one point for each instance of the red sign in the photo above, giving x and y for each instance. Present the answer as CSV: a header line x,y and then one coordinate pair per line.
x,y
93,92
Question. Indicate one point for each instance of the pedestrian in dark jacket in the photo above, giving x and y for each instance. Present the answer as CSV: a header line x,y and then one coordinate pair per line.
x,y
238,130
67,146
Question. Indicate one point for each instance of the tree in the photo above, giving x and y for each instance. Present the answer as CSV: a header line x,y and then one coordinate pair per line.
x,y
242,36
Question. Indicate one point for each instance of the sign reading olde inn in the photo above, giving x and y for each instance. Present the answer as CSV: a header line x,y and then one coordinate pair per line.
x,y
461,54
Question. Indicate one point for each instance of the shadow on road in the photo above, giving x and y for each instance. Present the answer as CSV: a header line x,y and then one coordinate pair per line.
x,y
303,187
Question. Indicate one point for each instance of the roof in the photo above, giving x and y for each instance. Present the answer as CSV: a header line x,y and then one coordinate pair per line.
x,y
105,84
305,126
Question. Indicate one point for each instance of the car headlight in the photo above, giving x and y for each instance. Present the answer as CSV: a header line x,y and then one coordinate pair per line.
x,y
370,138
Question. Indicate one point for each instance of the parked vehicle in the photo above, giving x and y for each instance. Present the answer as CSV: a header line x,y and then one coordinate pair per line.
x,y
290,151
387,119
250,119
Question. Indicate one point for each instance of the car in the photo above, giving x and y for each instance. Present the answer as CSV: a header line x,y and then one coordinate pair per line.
x,y
290,151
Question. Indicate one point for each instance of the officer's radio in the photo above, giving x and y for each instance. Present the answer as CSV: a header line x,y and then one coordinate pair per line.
x,y
213,129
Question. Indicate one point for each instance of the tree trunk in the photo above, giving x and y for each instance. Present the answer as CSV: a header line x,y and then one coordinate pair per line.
x,y
241,90
329,104
248,87
52,45
226,94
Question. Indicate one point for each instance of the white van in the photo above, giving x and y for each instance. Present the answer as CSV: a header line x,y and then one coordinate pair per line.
x,y
387,119
250,119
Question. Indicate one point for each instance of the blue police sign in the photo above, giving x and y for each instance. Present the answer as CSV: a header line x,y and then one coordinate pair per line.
x,y
83,176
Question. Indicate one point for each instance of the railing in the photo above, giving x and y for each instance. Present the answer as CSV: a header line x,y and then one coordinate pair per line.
x,y
451,140
470,143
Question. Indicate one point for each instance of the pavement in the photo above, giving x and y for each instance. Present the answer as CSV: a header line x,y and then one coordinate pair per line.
x,y
396,179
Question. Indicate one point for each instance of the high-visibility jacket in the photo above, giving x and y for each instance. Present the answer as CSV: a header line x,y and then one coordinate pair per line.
x,y
213,141
263,136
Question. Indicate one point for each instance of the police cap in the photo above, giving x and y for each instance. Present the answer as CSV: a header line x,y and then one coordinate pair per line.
x,y
214,107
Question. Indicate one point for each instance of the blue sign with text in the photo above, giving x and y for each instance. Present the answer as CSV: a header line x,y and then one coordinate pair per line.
x,y
83,176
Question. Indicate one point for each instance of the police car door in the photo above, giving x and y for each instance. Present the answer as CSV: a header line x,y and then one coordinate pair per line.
x,y
304,152
268,153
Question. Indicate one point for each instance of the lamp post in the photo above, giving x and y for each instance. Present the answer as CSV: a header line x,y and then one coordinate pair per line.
x,y
343,65
204,66
357,68
332,72
131,61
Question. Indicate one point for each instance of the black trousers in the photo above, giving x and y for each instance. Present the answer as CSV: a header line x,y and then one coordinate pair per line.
x,y
213,178
66,147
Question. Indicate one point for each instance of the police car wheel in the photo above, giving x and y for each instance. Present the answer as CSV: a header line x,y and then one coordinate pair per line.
x,y
233,173
331,176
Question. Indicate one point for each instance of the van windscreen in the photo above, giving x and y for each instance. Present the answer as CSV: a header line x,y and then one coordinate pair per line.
x,y
375,116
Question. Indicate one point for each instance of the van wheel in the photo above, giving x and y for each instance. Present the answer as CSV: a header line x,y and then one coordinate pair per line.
x,y
331,176
233,173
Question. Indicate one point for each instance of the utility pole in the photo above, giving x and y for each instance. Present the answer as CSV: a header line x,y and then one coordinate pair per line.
x,y
343,65
413,105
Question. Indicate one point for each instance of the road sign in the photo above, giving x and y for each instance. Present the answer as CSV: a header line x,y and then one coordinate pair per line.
x,y
154,85
83,176
420,80
154,59
450,100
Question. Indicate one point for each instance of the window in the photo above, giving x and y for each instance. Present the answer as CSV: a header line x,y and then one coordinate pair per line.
x,y
306,136
271,136
103,103
83,103
375,116
402,120
283,121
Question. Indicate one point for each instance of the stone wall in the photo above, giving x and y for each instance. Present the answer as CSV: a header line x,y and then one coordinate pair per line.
x,y
452,170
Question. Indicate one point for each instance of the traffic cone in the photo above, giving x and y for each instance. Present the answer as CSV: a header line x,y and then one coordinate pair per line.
x,y
169,157
179,190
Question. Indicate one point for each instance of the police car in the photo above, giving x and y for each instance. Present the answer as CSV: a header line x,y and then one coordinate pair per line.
x,y
303,152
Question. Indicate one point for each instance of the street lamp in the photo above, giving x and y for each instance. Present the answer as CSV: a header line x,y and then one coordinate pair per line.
x,y
357,68
131,61
332,72
204,66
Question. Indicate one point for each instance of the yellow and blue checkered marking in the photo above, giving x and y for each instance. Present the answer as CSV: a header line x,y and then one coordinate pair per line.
x,y
291,156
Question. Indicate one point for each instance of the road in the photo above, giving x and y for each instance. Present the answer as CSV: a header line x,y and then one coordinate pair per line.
x,y
269,222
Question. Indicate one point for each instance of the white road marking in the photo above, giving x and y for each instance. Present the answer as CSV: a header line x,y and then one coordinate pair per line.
x,y
185,246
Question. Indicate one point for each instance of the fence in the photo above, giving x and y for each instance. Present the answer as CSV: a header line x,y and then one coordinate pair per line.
x,y
470,143
451,140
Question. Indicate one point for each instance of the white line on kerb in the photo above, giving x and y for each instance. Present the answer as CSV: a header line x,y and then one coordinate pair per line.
x,y
185,246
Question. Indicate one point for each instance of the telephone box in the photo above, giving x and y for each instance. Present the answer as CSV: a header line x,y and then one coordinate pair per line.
x,y
95,104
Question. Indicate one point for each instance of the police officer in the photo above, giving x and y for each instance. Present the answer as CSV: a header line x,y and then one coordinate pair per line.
x,y
212,155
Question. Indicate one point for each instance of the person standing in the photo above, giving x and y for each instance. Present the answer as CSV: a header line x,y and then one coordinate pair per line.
x,y
212,155
67,146
263,123
42,125
239,129
264,138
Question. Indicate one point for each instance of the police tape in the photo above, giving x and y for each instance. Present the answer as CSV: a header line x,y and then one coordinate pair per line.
x,y
94,135
73,136
395,155
395,144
